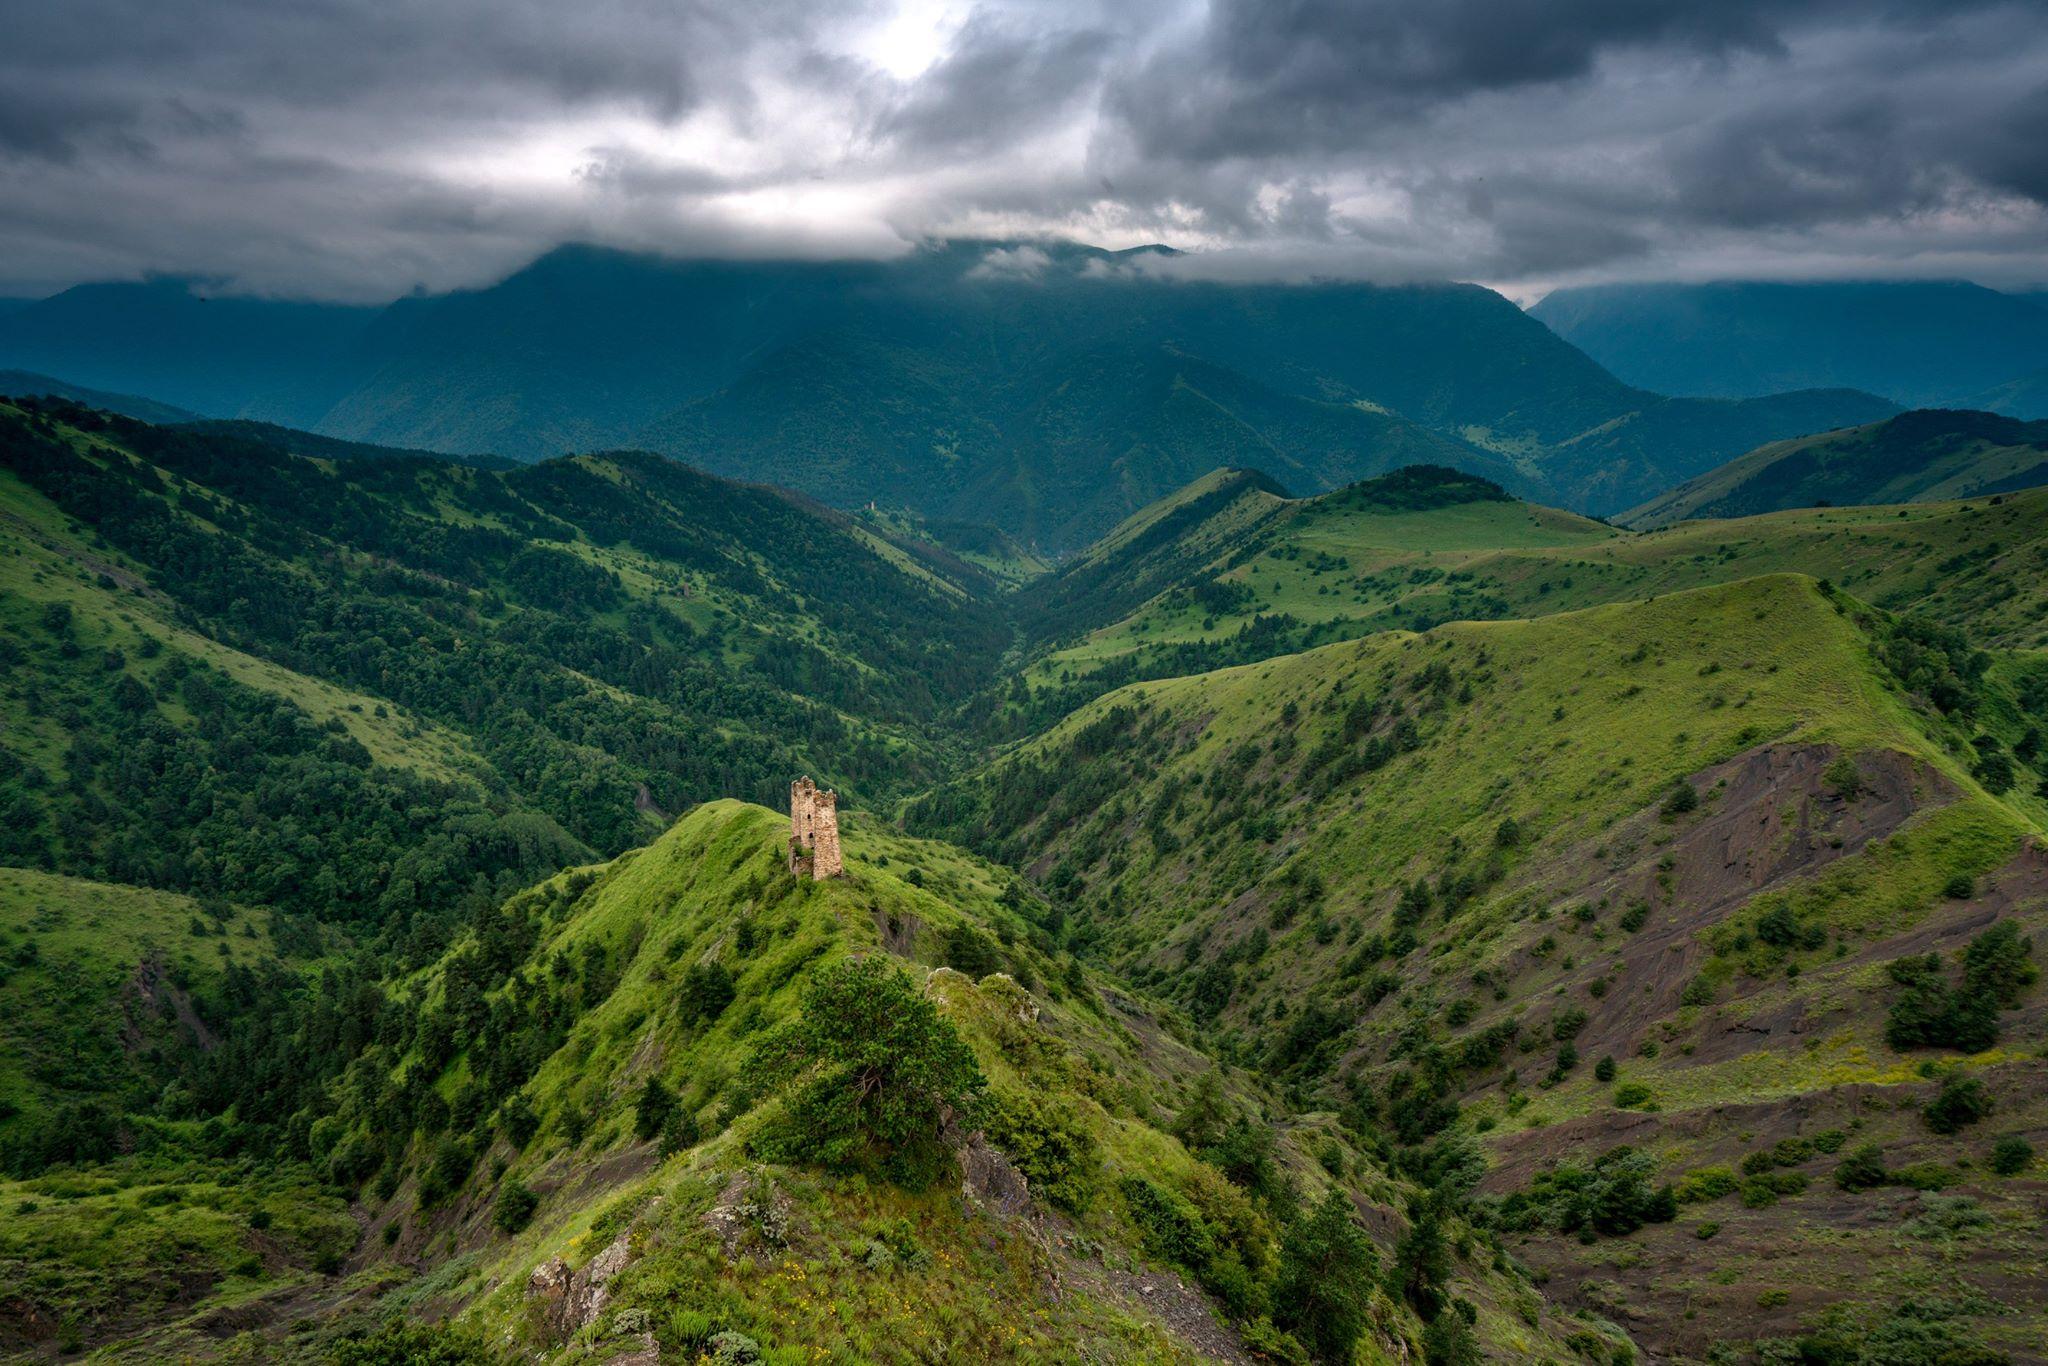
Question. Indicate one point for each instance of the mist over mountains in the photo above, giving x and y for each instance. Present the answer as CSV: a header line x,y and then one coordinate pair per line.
x,y
1048,389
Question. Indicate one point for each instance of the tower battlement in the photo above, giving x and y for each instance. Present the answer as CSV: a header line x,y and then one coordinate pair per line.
x,y
814,832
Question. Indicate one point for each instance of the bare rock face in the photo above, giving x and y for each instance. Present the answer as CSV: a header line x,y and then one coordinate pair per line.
x,y
987,1179
573,1300
549,1281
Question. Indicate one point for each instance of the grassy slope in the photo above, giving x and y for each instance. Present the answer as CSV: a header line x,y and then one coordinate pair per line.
x,y
1575,727
99,986
81,1016
1918,457
681,901
1339,572
592,641
46,558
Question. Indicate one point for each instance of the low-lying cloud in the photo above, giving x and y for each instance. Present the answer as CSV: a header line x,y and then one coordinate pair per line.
x,y
357,149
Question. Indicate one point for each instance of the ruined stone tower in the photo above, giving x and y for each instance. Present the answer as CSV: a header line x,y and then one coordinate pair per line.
x,y
813,831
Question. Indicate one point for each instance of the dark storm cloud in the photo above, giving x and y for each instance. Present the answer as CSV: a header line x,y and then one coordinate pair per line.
x,y
357,147
999,82
1283,76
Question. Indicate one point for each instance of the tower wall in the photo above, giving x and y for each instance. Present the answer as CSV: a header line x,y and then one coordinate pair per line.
x,y
813,831
825,859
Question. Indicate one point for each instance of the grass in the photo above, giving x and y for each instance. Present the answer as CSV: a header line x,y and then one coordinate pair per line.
x,y
1576,720
43,560
112,1248
72,1025
1975,563
954,1282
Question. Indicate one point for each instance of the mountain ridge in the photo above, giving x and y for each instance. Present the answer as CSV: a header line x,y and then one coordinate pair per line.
x,y
1922,456
960,374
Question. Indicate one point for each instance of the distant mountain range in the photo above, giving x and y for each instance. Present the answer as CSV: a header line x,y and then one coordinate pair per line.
x,y
1921,456
1048,389
1921,344
27,384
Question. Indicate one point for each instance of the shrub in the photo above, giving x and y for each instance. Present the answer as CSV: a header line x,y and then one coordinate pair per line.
x,y
706,990
1962,1101
1761,1192
1698,992
972,951
1168,1225
1244,1154
518,1120
1706,1230
1946,1216
449,1169
404,1343
680,1132
731,1348
1997,970
1961,887
1422,1261
1603,1071
1681,799
1631,1094
1999,964
516,1203
2011,1155
1045,1137
1327,1265
1612,1196
651,1112
871,1069
1926,1176
1705,1183
1862,1169
1449,1341
1843,778
1635,917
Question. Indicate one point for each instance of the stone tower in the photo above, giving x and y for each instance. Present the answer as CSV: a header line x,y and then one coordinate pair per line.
x,y
814,831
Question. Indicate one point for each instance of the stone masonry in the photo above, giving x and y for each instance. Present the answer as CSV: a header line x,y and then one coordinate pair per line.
x,y
814,831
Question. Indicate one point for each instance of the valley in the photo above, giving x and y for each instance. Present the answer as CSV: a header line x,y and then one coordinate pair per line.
x,y
1405,922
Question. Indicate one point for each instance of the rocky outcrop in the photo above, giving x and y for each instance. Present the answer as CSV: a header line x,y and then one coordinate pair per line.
x,y
988,1181
572,1300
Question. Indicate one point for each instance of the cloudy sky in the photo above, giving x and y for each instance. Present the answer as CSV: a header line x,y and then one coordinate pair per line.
x,y
361,148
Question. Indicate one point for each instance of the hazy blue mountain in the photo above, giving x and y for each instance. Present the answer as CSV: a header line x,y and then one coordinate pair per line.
x,y
1916,342
1921,456
1059,451
2024,397
224,357
314,446
26,383
1643,453
1055,388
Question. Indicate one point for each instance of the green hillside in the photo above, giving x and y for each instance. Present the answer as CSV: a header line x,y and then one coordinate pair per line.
x,y
1917,457
578,1080
1269,576
1426,880
1405,924
377,687
106,995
